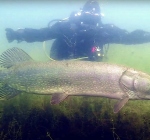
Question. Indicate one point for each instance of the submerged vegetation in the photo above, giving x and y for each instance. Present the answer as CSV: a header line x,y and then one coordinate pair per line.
x,y
30,116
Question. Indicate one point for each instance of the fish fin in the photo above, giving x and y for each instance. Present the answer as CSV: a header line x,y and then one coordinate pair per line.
x,y
58,97
120,104
7,92
13,56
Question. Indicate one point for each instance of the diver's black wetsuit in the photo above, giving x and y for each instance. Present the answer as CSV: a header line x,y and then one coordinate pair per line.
x,y
81,35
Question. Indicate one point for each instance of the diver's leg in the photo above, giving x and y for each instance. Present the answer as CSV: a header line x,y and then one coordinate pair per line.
x,y
59,50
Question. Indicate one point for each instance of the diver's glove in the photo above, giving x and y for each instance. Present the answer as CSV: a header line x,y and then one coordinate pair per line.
x,y
12,35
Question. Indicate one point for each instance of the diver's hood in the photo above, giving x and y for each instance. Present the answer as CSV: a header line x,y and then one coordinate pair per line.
x,y
91,12
91,7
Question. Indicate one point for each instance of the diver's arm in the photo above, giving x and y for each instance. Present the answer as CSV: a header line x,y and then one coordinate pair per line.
x,y
28,35
136,37
33,35
113,34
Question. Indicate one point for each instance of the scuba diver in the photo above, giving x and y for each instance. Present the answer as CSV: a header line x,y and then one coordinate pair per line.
x,y
81,35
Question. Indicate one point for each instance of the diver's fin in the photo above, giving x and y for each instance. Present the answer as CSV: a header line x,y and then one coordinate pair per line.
x,y
13,56
120,104
7,92
58,97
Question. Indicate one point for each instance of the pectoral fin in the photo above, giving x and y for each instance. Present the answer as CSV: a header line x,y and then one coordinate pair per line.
x,y
120,104
58,97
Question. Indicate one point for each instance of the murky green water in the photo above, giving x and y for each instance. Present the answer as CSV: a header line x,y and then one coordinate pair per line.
x,y
28,116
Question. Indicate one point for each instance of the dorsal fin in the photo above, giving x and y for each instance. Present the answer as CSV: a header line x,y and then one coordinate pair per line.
x,y
13,56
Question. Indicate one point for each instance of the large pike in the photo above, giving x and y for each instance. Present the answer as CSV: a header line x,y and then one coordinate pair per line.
x,y
65,78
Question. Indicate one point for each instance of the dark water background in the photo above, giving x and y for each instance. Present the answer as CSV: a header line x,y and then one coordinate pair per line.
x,y
30,117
